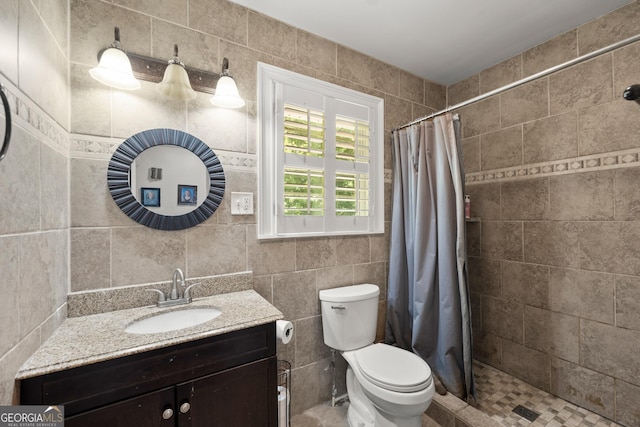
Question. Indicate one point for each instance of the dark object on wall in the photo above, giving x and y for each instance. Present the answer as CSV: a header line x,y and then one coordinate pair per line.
x,y
632,93
7,128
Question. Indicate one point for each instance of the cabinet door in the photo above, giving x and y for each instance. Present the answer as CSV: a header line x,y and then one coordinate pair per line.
x,y
245,396
149,410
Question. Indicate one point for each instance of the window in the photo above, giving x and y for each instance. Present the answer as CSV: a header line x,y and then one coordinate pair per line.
x,y
320,157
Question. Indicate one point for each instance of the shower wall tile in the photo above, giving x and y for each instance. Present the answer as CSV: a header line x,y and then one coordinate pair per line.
x,y
172,10
627,403
475,303
220,18
526,283
315,253
355,66
54,193
384,77
485,201
203,256
552,243
87,180
294,294
582,197
155,259
9,257
20,211
582,85
627,296
90,103
373,273
487,348
484,276
626,195
501,149
525,103
584,387
435,95
396,111
586,294
502,74
550,53
481,117
244,67
529,365
552,333
617,25
334,277
9,11
90,258
605,348
501,240
473,234
316,52
309,342
552,138
610,246
91,29
471,154
626,65
270,256
353,250
304,382
503,318
604,128
463,90
271,36
410,86
525,199
195,49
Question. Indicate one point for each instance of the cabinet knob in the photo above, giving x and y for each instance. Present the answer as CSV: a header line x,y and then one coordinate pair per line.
x,y
167,413
184,408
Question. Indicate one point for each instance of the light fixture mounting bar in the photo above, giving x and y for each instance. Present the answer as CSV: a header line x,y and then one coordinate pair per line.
x,y
152,70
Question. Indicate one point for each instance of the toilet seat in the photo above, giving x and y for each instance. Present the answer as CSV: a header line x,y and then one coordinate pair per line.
x,y
392,368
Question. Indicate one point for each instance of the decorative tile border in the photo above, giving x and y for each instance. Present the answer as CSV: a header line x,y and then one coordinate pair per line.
x,y
28,116
604,161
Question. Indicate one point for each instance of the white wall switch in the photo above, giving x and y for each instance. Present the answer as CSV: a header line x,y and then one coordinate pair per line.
x,y
241,203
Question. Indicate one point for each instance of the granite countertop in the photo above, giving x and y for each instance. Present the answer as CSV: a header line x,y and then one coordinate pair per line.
x,y
95,338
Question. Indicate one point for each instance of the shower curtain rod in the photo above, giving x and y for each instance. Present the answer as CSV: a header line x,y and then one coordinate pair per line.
x,y
543,73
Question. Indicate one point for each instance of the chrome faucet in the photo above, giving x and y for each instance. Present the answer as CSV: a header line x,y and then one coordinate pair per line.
x,y
174,297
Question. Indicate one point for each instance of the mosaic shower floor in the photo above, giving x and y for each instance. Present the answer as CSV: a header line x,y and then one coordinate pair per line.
x,y
498,394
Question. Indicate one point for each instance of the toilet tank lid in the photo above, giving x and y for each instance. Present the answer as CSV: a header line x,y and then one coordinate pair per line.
x,y
350,293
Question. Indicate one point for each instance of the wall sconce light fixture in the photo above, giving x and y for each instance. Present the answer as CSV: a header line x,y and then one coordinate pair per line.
x,y
175,83
114,67
176,80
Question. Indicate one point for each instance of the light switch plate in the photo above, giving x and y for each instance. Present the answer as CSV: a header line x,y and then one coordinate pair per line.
x,y
241,203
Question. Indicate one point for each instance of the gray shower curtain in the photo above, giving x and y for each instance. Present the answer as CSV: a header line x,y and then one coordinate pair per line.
x,y
427,302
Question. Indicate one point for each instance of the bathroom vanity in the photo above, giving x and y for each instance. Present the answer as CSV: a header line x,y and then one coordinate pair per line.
x,y
220,373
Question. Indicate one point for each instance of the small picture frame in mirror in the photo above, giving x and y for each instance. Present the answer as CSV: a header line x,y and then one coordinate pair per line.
x,y
150,196
187,194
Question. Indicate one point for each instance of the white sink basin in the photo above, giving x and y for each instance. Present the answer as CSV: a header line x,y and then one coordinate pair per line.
x,y
173,320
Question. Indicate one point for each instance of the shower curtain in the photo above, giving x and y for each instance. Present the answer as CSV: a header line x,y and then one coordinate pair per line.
x,y
427,303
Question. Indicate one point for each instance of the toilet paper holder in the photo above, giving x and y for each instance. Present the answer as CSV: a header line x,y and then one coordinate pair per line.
x,y
284,393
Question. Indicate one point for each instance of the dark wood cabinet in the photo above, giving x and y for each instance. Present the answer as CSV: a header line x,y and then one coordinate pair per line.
x,y
228,380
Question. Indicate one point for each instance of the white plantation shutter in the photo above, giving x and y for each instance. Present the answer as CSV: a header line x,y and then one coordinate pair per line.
x,y
320,158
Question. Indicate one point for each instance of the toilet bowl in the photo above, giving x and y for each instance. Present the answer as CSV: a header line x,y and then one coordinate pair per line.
x,y
387,386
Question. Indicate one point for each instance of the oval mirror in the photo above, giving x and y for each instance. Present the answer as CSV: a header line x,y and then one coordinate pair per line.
x,y
166,179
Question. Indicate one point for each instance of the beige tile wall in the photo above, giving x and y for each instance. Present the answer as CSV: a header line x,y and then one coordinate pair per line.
x,y
553,170
110,250
34,214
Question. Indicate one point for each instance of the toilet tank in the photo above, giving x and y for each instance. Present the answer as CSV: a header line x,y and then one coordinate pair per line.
x,y
349,316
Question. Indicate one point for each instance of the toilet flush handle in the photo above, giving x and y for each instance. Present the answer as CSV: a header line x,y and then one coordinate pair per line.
x,y
338,307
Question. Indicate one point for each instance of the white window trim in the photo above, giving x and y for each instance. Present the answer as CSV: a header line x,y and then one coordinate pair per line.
x,y
270,81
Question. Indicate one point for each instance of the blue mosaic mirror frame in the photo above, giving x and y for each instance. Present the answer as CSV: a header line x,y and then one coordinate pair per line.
x,y
118,178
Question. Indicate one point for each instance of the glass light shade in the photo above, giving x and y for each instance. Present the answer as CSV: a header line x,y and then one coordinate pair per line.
x,y
114,70
175,83
227,94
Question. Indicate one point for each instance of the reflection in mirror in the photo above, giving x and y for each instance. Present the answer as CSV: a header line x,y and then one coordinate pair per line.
x,y
166,179
159,171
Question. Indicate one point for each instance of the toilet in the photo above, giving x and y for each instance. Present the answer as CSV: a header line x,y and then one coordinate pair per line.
x,y
387,386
